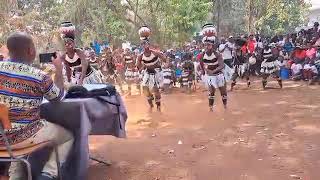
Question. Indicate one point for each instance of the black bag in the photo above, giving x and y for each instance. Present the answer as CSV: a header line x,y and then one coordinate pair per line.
x,y
81,92
99,94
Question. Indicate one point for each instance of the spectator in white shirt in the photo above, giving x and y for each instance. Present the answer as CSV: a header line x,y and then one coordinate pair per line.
x,y
296,70
226,49
310,71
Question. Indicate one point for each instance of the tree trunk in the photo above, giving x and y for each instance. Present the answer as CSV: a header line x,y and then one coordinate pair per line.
x,y
136,12
218,5
250,16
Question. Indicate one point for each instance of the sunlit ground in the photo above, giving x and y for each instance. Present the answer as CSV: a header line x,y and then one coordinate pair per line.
x,y
263,135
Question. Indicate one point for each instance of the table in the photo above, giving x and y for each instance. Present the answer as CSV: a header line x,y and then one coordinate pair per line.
x,y
84,117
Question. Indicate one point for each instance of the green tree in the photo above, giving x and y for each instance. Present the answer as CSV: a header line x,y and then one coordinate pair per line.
x,y
282,16
171,21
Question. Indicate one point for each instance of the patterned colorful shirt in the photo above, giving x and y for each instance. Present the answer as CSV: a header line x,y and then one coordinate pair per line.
x,y
22,89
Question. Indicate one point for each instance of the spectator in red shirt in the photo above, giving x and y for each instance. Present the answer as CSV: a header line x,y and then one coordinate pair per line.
x,y
251,44
244,49
299,54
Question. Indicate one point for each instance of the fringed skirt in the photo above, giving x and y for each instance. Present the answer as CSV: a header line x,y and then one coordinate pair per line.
x,y
152,80
131,76
270,67
241,69
215,81
95,77
186,78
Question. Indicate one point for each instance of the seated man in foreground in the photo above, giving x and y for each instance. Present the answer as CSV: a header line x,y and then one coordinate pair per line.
x,y
22,89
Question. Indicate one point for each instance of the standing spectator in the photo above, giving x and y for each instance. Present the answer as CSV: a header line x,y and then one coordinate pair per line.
x,y
251,44
96,46
171,55
178,54
226,49
258,55
196,51
315,29
301,37
187,54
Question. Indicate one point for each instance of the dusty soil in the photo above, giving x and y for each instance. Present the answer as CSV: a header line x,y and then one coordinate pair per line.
x,y
263,135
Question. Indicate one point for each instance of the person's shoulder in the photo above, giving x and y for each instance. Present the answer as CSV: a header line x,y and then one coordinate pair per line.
x,y
23,71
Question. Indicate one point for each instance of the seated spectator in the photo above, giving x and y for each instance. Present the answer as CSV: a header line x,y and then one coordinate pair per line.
x,y
296,71
311,51
23,88
299,54
288,46
310,71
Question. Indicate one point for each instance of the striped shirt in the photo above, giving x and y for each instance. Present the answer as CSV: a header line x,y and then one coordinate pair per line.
x,y
22,89
167,75
150,60
267,54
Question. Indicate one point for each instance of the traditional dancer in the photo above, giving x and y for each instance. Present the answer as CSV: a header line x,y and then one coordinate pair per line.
x,y
108,67
150,61
93,59
270,65
241,67
188,76
78,70
131,73
212,66
168,75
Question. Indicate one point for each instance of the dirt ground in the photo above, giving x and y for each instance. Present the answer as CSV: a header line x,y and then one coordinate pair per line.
x,y
263,135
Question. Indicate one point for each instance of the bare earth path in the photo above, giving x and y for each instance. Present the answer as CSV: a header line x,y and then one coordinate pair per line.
x,y
264,135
